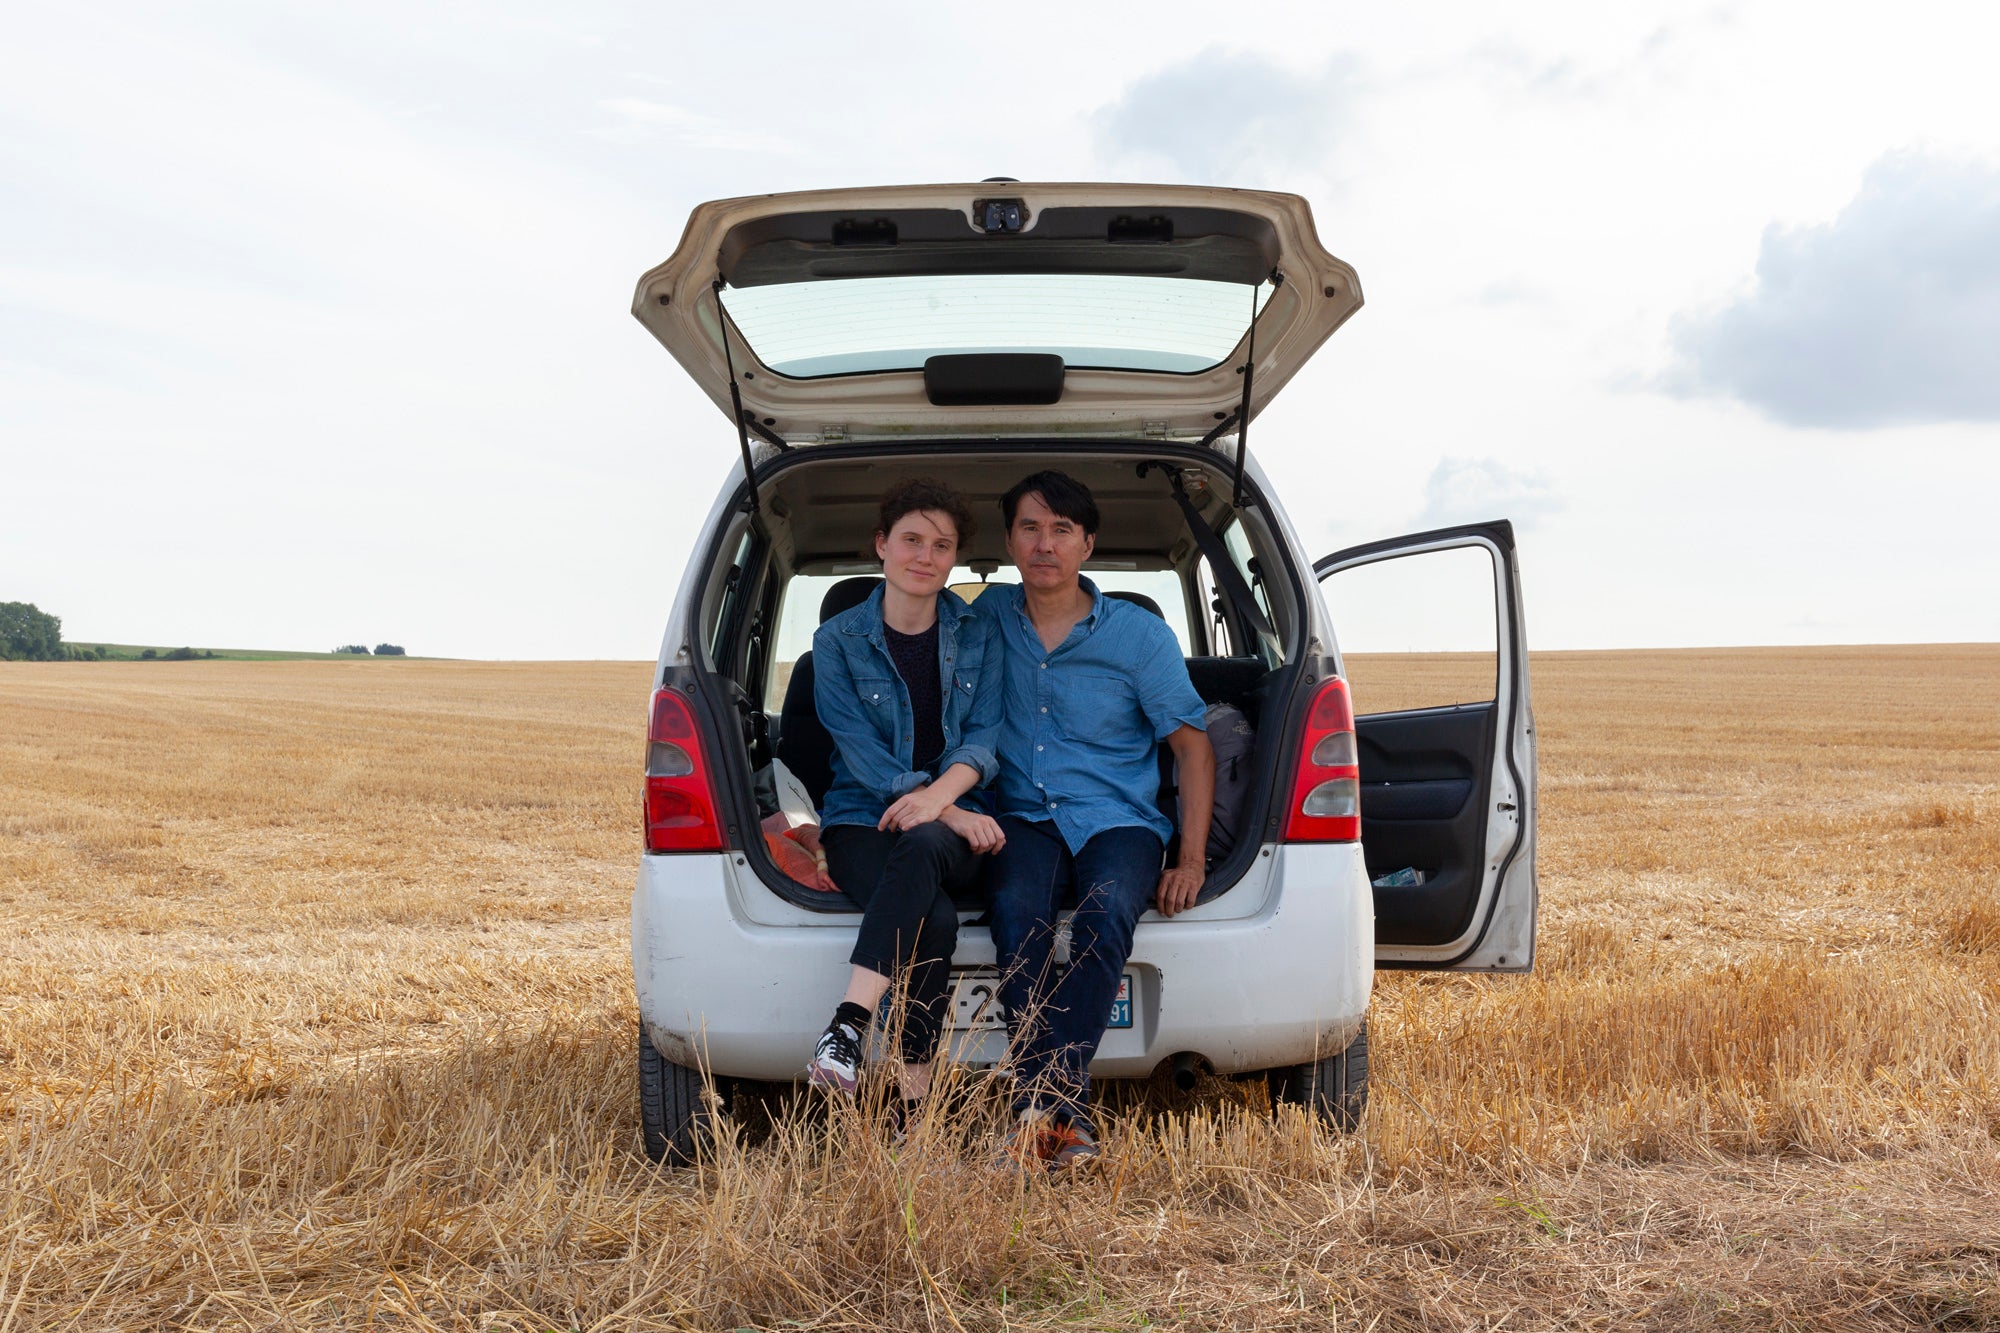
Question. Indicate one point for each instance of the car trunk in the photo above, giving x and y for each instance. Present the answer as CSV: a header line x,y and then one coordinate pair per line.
x,y
814,528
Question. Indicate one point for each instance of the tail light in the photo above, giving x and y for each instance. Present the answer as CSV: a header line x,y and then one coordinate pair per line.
x,y
680,800
1326,793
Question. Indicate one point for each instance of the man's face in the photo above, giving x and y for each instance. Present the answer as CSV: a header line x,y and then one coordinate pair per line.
x,y
1047,548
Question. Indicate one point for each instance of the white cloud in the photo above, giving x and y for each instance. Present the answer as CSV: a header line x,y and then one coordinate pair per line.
x,y
1887,315
1232,117
1471,490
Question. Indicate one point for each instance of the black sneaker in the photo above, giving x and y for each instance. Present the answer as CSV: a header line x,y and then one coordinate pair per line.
x,y
836,1061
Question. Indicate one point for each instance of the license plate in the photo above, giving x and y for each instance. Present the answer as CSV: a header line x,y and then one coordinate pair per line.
x,y
975,1002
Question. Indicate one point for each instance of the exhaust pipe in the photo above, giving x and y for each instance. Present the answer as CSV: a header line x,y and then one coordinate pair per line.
x,y
1186,1064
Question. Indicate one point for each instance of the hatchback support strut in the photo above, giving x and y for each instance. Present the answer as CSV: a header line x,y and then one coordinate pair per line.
x,y
1249,374
744,424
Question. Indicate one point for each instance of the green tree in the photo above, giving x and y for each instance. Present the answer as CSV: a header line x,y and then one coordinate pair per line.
x,y
388,650
358,648
29,634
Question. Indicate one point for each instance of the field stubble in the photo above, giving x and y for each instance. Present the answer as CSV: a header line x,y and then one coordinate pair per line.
x,y
315,1010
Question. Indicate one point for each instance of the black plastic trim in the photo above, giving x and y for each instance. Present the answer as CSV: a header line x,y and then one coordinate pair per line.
x,y
1217,244
988,379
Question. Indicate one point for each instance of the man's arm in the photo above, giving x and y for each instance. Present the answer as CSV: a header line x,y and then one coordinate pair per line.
x,y
1196,759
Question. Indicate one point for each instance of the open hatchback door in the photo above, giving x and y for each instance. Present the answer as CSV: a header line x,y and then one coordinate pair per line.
x,y
998,308
1446,743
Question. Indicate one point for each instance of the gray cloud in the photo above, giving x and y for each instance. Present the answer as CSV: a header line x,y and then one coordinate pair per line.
x,y
1233,118
1888,315
1468,490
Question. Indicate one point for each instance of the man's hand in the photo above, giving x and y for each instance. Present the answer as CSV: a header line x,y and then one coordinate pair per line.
x,y
921,806
1178,889
1195,758
981,832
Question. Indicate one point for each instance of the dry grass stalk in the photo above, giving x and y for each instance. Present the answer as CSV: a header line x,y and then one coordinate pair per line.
x,y
315,1012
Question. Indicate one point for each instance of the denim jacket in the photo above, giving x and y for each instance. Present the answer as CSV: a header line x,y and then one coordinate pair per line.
x,y
865,707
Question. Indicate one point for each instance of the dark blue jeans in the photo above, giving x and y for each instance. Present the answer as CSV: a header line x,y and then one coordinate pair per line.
x,y
1055,1023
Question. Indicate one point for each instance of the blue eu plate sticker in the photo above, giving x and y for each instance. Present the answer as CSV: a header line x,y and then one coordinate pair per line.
x,y
1121,1004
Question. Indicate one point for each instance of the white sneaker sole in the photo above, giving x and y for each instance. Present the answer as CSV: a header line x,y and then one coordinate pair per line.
x,y
826,1076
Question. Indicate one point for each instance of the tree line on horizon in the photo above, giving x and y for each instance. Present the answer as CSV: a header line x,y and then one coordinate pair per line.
x,y
30,634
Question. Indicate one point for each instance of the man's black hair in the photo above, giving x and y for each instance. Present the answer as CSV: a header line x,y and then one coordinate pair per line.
x,y
1065,496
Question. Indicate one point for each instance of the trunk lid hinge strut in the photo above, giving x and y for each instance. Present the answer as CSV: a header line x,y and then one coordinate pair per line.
x,y
744,422
1249,373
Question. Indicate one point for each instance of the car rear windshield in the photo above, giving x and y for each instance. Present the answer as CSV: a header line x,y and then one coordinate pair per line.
x,y
806,330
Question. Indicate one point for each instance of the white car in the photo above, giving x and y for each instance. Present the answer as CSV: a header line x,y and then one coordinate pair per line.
x,y
981,332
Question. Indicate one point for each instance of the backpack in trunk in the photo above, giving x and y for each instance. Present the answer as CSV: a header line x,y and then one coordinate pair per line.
x,y
1233,739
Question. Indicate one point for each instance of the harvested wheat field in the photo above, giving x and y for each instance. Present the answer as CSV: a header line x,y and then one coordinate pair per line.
x,y
316,1013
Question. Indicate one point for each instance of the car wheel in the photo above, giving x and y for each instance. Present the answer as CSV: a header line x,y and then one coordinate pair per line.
x,y
674,1111
1336,1087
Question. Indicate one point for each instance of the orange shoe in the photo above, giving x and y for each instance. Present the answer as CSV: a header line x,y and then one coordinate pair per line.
x,y
1028,1146
1072,1148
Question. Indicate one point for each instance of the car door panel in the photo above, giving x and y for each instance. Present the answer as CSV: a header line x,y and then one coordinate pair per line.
x,y
1447,793
1418,813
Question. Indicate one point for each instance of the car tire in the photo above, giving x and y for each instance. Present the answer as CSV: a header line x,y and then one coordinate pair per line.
x,y
674,1110
1335,1088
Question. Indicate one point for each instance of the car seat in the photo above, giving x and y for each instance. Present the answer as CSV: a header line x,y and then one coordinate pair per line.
x,y
803,743
1139,599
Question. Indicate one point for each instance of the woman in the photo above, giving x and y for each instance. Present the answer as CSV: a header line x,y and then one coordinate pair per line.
x,y
908,685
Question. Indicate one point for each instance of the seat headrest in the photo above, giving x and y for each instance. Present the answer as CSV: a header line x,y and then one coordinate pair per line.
x,y
846,595
1140,600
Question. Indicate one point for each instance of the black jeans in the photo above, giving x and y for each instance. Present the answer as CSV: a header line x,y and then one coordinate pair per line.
x,y
909,924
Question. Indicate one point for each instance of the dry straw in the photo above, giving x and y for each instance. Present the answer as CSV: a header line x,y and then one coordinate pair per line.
x,y
315,1013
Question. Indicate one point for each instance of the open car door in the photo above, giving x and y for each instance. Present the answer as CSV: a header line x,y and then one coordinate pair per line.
x,y
1436,657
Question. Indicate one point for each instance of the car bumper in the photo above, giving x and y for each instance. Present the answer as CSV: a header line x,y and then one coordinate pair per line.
x,y
1275,972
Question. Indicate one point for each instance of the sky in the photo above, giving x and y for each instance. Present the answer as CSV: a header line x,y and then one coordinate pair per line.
x,y
314,319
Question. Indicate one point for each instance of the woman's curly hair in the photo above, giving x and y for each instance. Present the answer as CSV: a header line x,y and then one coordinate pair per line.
x,y
925,493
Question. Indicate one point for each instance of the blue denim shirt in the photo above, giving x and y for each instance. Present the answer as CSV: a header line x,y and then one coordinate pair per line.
x,y
1083,724
865,707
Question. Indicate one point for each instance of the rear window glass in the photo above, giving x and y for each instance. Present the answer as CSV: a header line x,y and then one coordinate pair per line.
x,y
1102,321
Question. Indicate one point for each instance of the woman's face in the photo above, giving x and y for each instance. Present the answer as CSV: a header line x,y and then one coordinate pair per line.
x,y
917,554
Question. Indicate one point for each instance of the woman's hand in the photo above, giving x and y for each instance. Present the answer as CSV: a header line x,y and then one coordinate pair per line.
x,y
921,806
807,836
981,832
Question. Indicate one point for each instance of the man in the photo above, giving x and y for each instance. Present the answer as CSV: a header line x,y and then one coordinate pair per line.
x,y
1093,685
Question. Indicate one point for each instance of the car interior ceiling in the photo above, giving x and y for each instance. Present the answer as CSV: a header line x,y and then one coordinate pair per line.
x,y
820,515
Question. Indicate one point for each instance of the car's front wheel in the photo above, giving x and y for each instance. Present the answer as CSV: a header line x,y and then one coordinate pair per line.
x,y
674,1110
1336,1088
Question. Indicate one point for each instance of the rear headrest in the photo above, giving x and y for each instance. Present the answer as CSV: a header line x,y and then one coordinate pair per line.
x,y
846,595
1227,680
1140,600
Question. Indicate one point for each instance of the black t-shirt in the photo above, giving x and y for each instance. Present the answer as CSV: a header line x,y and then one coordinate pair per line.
x,y
916,659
